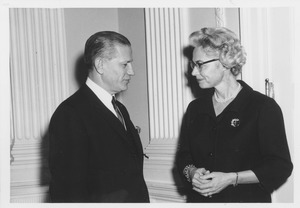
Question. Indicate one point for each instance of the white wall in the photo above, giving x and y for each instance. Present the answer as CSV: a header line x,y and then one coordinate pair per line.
x,y
81,23
132,25
268,35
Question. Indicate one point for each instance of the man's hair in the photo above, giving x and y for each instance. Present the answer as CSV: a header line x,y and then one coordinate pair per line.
x,y
102,44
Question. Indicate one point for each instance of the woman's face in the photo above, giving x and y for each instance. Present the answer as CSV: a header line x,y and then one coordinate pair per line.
x,y
210,74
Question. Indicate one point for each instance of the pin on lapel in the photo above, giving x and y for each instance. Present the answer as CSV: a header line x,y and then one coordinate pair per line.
x,y
235,122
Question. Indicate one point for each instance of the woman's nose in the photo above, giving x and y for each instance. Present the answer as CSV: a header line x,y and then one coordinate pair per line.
x,y
195,71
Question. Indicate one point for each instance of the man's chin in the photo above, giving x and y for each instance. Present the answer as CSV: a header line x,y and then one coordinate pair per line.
x,y
124,88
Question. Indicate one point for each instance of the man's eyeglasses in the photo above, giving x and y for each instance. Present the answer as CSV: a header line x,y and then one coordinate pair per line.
x,y
199,64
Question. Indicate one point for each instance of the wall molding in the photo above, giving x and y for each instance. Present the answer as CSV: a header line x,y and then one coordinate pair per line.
x,y
160,173
162,192
29,173
220,17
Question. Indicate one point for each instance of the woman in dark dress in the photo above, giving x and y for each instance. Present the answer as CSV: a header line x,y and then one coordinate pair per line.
x,y
233,145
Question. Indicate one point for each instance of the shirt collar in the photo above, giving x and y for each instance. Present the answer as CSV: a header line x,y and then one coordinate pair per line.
x,y
102,94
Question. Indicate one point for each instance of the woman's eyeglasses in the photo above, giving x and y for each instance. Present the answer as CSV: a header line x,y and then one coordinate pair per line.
x,y
199,64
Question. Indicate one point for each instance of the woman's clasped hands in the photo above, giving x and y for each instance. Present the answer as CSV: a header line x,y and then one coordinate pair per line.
x,y
207,183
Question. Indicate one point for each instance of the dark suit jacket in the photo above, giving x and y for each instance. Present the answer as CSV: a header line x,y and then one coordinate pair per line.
x,y
256,142
92,157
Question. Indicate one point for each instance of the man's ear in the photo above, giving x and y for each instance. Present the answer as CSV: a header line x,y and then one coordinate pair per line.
x,y
98,64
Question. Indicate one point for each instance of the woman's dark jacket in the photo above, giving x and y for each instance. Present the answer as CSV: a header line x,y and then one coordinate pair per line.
x,y
248,135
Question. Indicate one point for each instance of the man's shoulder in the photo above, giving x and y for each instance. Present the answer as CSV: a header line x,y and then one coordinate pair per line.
x,y
76,101
78,97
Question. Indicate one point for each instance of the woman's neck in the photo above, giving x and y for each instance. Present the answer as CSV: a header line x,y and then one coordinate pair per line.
x,y
227,91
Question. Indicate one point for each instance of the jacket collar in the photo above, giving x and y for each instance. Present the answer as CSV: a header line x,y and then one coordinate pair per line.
x,y
205,105
242,98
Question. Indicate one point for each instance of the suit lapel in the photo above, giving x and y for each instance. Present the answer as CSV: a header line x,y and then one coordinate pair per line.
x,y
132,129
105,113
113,120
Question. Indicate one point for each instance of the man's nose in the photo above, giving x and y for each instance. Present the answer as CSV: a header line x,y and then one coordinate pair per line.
x,y
130,70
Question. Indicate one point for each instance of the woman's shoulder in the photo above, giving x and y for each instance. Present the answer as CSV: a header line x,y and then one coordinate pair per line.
x,y
261,98
261,101
256,98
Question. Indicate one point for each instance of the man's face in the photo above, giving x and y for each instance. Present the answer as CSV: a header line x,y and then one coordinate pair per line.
x,y
117,72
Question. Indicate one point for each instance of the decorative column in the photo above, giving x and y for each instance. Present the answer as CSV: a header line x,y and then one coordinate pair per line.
x,y
166,90
165,72
38,70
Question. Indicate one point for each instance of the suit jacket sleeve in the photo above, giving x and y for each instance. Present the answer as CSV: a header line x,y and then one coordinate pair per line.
x,y
68,157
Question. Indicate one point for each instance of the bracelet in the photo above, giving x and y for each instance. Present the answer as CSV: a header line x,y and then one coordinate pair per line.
x,y
236,179
186,171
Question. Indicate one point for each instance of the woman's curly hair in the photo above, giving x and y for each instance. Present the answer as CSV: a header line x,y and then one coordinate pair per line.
x,y
221,42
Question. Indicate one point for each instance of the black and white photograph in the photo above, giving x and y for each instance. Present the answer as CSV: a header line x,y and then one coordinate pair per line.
x,y
149,103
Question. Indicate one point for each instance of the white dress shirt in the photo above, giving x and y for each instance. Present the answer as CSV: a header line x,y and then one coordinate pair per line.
x,y
102,94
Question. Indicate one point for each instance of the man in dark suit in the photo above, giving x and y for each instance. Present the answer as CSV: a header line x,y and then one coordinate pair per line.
x,y
95,151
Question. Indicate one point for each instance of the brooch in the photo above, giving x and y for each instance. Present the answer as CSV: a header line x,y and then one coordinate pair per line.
x,y
235,122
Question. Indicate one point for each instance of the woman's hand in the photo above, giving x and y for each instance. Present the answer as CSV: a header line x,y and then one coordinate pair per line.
x,y
196,172
195,176
208,183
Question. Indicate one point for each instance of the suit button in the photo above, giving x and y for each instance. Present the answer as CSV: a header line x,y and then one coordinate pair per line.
x,y
211,154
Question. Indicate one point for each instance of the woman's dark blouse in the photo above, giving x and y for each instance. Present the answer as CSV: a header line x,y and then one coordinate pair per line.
x,y
255,141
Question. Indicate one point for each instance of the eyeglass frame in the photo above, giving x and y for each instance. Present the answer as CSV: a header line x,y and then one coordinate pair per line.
x,y
200,64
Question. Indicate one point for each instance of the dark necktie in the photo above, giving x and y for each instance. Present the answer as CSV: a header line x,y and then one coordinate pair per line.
x,y
119,114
